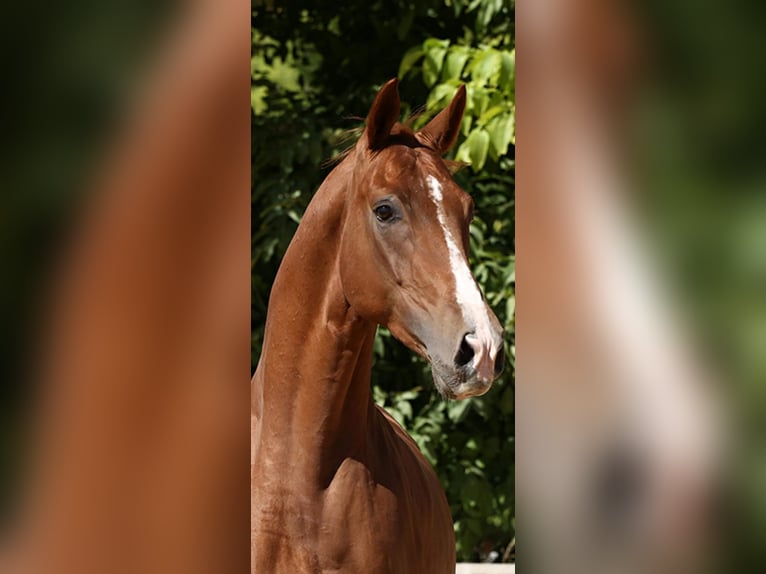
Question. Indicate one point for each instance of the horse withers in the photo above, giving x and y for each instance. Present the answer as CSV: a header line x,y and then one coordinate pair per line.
x,y
337,484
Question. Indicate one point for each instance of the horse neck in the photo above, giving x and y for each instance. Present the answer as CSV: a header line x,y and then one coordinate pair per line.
x,y
312,384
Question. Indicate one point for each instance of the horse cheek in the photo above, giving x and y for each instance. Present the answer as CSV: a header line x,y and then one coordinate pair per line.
x,y
362,280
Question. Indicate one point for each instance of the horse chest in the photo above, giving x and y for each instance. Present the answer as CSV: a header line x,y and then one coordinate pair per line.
x,y
388,513
385,514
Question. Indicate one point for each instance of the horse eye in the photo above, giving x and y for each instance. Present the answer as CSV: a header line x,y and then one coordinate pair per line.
x,y
384,212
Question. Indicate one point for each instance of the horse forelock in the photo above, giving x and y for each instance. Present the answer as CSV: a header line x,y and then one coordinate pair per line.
x,y
400,134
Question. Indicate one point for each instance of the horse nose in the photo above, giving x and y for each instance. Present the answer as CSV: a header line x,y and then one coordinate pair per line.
x,y
487,359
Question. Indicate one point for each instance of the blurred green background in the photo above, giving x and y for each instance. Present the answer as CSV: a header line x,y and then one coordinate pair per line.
x,y
315,71
67,75
700,160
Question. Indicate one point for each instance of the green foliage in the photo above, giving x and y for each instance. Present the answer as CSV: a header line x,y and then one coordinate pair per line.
x,y
311,69
489,76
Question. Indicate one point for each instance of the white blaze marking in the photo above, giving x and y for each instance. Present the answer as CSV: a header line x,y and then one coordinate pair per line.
x,y
467,293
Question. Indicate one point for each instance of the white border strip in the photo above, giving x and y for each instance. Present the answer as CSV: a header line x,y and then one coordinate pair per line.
x,y
470,568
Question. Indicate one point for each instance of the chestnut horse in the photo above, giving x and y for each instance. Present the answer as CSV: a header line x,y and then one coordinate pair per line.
x,y
337,485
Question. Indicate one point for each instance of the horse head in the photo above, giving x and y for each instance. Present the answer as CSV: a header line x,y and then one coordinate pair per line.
x,y
404,247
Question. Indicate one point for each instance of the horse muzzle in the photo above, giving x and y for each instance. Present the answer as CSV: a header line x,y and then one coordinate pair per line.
x,y
475,367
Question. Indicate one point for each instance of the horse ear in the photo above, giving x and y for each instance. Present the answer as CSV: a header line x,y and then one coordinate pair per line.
x,y
383,114
441,132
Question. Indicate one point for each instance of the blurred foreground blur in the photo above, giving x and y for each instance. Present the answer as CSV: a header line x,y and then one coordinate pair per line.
x,y
125,400
641,350
641,303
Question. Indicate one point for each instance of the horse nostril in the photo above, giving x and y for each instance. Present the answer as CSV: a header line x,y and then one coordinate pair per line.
x,y
500,362
464,354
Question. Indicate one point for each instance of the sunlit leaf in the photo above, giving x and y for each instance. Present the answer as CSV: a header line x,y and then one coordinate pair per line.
x,y
507,71
485,68
435,52
284,75
501,132
454,63
258,99
477,145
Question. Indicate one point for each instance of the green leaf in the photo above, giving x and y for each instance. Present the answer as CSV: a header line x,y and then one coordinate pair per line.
x,y
471,446
489,114
378,395
457,56
258,99
398,416
478,99
435,50
485,67
475,148
510,307
439,96
408,61
405,408
507,71
409,395
511,271
467,123
501,133
284,75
